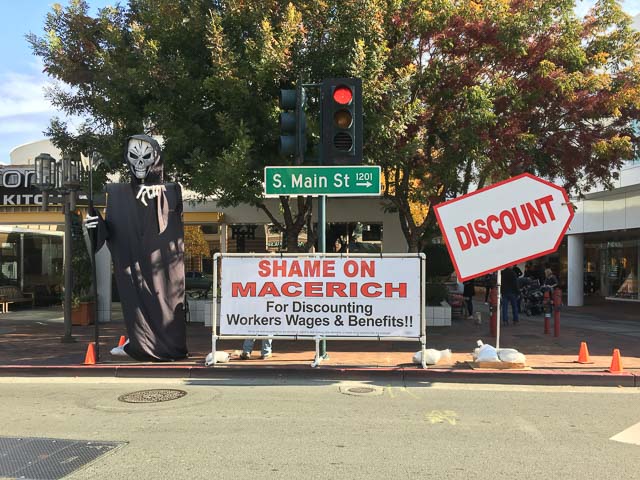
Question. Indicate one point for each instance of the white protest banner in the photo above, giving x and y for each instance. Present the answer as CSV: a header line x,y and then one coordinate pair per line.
x,y
321,295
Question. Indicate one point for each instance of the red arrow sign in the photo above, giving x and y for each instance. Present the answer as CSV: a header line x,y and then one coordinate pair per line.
x,y
504,224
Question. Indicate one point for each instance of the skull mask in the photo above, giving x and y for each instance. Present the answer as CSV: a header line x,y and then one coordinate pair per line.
x,y
141,156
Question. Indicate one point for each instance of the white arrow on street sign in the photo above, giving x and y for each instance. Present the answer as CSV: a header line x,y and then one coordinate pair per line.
x,y
504,224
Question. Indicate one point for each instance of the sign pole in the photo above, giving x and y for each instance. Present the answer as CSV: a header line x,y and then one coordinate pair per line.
x,y
94,287
498,304
322,229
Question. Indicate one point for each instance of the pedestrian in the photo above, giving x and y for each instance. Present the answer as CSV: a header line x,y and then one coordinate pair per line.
x,y
247,347
489,283
528,271
468,292
509,290
517,271
550,280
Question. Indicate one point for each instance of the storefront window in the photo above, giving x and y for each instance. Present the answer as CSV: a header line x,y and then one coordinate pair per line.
x,y
247,238
621,269
611,269
354,237
9,256
277,242
33,262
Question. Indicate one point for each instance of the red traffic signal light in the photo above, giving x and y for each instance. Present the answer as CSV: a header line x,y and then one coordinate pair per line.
x,y
343,95
342,121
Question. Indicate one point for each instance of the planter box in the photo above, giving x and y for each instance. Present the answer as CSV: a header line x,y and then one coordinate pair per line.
x,y
439,316
200,311
82,315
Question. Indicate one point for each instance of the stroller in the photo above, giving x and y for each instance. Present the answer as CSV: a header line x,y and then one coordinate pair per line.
x,y
531,296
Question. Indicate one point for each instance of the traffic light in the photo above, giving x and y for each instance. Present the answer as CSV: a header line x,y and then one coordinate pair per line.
x,y
342,121
293,124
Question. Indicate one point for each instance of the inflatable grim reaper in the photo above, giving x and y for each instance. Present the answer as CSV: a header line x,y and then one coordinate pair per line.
x,y
144,231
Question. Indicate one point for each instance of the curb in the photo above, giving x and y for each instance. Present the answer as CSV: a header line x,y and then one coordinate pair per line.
x,y
515,377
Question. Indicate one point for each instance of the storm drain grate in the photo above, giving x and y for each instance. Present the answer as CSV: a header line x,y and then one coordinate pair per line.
x,y
48,458
152,396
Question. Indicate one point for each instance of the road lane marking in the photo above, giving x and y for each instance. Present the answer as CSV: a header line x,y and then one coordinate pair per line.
x,y
392,389
442,416
630,435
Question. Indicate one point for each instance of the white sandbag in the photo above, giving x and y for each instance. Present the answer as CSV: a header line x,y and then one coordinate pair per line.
x,y
507,351
119,351
432,356
475,352
485,353
221,357
511,355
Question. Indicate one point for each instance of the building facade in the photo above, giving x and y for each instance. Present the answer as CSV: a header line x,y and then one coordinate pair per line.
x,y
603,242
32,240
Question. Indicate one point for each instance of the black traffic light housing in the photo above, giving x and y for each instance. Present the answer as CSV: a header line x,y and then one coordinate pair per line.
x,y
293,124
342,121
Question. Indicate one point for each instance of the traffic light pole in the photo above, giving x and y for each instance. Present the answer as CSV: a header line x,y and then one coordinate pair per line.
x,y
340,139
322,239
322,199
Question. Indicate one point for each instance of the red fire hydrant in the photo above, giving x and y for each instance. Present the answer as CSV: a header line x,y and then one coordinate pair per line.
x,y
493,308
557,301
546,306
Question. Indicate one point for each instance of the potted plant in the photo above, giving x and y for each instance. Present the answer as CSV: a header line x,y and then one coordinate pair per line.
x,y
82,309
81,299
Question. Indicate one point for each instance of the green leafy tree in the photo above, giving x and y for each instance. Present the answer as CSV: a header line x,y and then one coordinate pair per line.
x,y
456,93
478,91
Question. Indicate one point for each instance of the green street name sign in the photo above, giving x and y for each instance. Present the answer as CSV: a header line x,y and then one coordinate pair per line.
x,y
342,181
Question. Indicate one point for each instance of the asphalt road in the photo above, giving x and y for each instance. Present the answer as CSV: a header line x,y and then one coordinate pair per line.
x,y
294,429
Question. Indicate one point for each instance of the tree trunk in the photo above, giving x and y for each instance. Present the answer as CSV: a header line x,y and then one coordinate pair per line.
x,y
292,222
413,243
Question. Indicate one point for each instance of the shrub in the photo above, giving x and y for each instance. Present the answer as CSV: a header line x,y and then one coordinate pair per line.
x,y
439,268
436,293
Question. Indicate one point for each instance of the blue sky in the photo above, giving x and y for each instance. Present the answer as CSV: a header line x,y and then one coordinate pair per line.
x,y
24,112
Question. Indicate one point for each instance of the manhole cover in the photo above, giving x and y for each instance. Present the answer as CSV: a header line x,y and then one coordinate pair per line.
x,y
152,396
361,390
48,458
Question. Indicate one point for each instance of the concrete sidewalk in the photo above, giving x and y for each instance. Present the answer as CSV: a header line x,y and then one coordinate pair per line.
x,y
30,345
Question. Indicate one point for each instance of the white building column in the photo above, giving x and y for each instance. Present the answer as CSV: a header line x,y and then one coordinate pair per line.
x,y
103,284
575,270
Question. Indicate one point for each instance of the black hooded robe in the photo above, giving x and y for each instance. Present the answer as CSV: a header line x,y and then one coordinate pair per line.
x,y
149,270
147,247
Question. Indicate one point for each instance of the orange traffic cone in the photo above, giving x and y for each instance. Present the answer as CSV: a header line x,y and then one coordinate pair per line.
x,y
90,357
583,356
616,362
122,341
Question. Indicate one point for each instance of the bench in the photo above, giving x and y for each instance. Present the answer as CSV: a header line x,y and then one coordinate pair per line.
x,y
11,294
